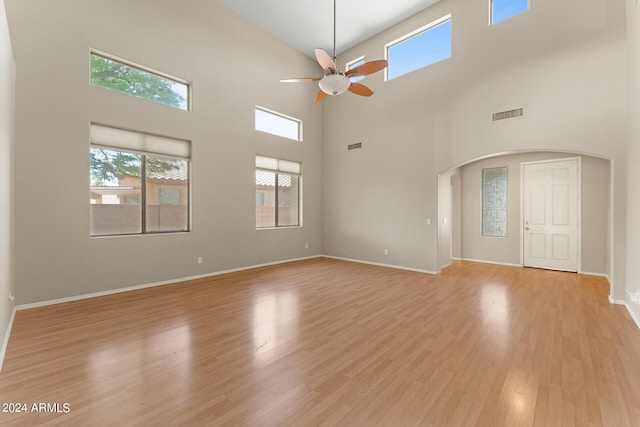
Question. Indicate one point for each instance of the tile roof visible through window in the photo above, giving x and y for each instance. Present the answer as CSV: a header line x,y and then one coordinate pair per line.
x,y
179,174
268,179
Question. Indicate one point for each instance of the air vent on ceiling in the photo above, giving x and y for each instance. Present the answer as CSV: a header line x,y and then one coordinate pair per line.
x,y
510,114
355,146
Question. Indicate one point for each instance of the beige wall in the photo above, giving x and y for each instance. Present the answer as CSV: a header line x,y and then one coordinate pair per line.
x,y
7,70
633,147
456,206
570,78
233,66
445,219
595,211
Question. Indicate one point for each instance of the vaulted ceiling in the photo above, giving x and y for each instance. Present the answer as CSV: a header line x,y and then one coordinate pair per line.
x,y
306,24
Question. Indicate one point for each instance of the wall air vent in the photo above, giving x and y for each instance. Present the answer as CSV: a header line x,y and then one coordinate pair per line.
x,y
355,146
510,114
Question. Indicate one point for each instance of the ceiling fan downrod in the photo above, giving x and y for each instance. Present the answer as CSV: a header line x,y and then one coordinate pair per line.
x,y
335,57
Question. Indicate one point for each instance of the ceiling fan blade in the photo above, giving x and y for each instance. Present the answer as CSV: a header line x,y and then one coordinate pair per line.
x,y
368,68
320,96
360,89
301,80
325,60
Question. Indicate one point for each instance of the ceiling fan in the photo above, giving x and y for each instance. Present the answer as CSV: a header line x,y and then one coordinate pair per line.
x,y
334,81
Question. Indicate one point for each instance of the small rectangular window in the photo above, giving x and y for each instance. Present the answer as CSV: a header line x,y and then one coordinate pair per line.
x,y
139,183
494,202
277,193
505,9
117,75
355,64
275,123
420,48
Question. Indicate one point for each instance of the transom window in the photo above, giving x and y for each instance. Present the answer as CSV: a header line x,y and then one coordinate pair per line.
x,y
355,64
275,123
420,48
277,192
139,183
505,9
121,76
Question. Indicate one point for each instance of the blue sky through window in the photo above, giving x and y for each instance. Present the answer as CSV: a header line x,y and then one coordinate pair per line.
x,y
355,64
505,9
426,48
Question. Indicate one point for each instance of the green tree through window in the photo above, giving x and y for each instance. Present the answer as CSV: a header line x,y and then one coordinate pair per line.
x,y
113,75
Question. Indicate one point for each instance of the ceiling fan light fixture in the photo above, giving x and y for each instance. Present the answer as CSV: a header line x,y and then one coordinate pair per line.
x,y
334,84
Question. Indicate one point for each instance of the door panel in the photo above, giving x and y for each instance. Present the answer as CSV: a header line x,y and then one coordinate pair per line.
x,y
561,246
550,214
537,245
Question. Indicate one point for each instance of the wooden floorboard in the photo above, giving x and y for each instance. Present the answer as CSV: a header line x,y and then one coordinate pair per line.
x,y
329,342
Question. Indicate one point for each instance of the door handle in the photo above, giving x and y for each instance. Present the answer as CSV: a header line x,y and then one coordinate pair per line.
x,y
527,228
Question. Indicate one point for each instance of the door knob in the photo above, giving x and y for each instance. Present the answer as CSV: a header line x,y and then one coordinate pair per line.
x,y
527,228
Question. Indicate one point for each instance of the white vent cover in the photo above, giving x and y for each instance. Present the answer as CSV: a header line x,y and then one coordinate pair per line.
x,y
510,114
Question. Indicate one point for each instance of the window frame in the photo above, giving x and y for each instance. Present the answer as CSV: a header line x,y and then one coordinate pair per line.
x,y
491,23
348,66
489,177
413,34
143,177
278,115
277,172
135,65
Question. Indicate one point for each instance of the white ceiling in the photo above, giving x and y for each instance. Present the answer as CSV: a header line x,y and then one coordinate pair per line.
x,y
308,24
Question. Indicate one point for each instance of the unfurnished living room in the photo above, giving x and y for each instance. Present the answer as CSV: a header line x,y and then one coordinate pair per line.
x,y
338,212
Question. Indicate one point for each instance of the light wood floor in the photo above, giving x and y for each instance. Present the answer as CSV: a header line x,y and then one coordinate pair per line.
x,y
327,342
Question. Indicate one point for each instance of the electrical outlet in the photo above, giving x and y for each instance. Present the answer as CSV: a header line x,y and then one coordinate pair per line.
x,y
199,260
306,246
635,297
386,251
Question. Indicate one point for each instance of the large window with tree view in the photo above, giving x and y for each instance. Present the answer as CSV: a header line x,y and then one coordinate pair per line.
x,y
139,183
118,75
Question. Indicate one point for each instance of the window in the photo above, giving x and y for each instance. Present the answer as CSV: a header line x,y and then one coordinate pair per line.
x,y
139,183
505,9
420,48
115,74
355,64
278,124
277,193
494,202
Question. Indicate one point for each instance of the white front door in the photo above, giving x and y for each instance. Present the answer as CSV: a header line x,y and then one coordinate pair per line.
x,y
550,214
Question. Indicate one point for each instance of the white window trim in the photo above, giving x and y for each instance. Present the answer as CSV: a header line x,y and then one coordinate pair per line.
x,y
132,64
491,23
284,116
96,140
287,171
349,64
411,35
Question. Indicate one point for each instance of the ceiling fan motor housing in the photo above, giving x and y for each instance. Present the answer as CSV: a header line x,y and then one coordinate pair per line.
x,y
334,84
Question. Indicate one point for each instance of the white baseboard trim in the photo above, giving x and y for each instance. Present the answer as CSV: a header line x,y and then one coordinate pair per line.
x,y
152,285
456,259
507,264
5,341
628,307
398,267
444,266
588,273
632,314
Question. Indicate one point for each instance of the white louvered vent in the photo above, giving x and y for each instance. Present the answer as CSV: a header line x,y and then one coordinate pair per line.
x,y
354,146
510,114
